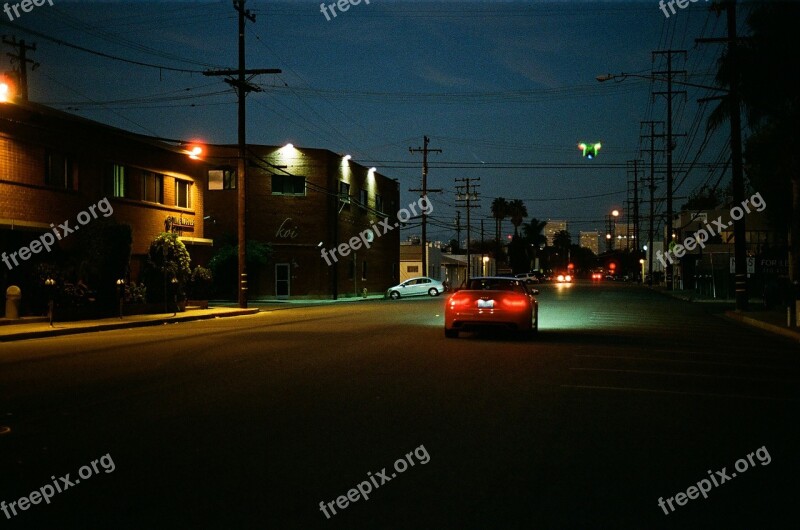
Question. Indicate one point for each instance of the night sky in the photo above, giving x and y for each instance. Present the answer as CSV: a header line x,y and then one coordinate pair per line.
x,y
505,89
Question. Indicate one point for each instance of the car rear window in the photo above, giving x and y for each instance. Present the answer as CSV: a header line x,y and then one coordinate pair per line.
x,y
496,285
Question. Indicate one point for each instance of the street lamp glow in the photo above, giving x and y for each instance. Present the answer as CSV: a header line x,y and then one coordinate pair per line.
x,y
346,157
5,92
615,213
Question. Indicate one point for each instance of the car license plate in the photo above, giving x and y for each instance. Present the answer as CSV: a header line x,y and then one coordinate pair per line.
x,y
485,304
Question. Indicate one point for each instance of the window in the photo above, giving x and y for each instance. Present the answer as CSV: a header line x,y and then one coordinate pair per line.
x,y
344,193
221,179
152,187
363,197
119,181
58,170
412,268
183,193
288,185
379,203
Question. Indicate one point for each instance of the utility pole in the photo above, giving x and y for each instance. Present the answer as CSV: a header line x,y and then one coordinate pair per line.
x,y
458,228
425,150
737,173
652,187
236,78
21,58
467,194
635,207
669,72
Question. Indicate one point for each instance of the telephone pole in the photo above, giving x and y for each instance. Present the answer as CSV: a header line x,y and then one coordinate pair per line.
x,y
236,78
467,194
425,150
635,207
737,173
652,186
21,58
669,72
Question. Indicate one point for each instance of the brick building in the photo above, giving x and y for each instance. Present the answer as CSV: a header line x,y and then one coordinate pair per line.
x,y
54,165
301,201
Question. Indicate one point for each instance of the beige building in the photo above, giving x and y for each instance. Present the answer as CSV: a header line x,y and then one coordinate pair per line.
x,y
591,240
551,228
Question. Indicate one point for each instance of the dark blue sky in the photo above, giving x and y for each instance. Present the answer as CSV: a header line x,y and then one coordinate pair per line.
x,y
492,84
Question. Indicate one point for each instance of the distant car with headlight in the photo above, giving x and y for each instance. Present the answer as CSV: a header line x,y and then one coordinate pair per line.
x,y
416,287
492,301
564,278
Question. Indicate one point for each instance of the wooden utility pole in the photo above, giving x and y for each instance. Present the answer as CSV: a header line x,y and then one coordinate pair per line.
x,y
652,186
670,73
467,194
236,78
21,58
425,150
737,172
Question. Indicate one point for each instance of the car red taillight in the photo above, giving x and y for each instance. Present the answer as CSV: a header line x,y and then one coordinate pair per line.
x,y
460,301
514,302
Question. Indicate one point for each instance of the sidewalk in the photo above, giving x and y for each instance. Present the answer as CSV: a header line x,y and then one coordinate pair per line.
x,y
771,321
37,327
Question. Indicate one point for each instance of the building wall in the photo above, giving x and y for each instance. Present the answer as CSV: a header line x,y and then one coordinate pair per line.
x,y
551,228
296,224
36,140
591,240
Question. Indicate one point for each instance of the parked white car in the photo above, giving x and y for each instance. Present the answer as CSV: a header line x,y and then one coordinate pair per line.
x,y
415,287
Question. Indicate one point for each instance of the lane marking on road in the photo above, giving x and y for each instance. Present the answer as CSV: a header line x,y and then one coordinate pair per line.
x,y
675,392
682,374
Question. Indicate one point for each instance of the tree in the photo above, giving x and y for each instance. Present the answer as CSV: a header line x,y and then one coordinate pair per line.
x,y
167,259
517,212
533,234
499,212
772,105
562,240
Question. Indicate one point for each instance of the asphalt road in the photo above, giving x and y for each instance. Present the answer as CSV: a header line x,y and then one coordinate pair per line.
x,y
624,397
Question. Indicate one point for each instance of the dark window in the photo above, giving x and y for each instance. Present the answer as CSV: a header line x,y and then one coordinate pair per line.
x,y
344,193
379,203
288,185
412,268
58,170
119,181
152,187
363,197
221,179
183,194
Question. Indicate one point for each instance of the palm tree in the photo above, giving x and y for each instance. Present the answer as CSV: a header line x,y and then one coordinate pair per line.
x,y
533,230
517,212
772,105
499,212
532,233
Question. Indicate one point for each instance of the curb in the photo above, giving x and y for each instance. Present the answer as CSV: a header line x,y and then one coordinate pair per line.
x,y
122,325
764,326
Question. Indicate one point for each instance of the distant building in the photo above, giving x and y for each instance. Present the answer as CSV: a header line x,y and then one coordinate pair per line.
x,y
551,228
411,260
590,240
